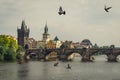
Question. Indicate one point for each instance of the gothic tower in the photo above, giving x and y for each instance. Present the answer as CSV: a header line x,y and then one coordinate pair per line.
x,y
23,35
46,35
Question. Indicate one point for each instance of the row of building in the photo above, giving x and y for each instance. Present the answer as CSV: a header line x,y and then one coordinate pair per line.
x,y
25,41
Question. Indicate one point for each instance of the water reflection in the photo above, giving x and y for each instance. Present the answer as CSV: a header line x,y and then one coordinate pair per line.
x,y
23,71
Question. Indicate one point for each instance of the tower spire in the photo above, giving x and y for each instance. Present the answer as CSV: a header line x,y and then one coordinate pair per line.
x,y
23,25
46,35
46,29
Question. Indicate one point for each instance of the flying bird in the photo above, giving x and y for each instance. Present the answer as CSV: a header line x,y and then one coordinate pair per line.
x,y
107,8
56,64
61,11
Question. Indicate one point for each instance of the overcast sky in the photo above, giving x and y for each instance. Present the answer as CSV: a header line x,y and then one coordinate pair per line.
x,y
84,19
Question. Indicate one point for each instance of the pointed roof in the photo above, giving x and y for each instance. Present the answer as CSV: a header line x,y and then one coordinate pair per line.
x,y
46,28
56,38
23,26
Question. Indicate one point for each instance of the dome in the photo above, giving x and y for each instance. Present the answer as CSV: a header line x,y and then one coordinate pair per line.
x,y
86,42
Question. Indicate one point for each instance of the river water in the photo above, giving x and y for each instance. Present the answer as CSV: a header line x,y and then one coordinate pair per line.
x,y
36,70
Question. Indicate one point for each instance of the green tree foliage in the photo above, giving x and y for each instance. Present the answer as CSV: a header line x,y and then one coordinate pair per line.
x,y
2,52
8,42
95,46
13,44
4,41
64,45
8,48
20,49
112,46
19,53
10,55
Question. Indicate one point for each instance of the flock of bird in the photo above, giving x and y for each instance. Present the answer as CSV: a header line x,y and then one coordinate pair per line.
x,y
68,66
61,11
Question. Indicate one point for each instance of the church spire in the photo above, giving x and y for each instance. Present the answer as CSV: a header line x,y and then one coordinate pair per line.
x,y
46,35
46,29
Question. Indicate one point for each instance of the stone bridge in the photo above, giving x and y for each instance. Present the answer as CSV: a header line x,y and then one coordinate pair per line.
x,y
68,54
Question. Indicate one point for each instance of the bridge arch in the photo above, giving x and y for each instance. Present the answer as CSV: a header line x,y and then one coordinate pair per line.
x,y
33,53
26,46
31,56
71,55
52,55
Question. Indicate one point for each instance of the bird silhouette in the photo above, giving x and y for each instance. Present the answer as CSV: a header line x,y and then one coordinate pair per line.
x,y
61,11
56,64
107,8
68,67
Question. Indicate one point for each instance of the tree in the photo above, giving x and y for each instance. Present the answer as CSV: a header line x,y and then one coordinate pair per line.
x,y
64,45
10,55
8,42
13,44
4,41
19,53
112,46
95,46
2,52
20,49
8,48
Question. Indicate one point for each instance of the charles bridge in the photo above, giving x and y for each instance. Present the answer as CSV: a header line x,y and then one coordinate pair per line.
x,y
68,54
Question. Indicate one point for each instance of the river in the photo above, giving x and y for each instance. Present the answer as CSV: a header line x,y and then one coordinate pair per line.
x,y
36,70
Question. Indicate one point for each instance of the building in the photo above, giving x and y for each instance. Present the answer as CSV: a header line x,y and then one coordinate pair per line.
x,y
26,42
67,44
32,43
77,45
46,35
86,43
57,42
50,44
23,35
40,44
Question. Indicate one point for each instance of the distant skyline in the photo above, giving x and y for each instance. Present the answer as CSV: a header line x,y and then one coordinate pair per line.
x,y
84,19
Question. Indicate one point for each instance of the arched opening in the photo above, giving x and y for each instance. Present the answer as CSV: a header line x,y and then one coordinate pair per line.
x,y
51,56
74,56
26,46
100,58
33,56
77,57
118,58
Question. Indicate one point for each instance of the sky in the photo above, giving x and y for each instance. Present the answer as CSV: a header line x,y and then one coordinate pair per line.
x,y
84,19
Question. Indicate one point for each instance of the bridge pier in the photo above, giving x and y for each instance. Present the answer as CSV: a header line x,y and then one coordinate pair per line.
x,y
112,58
87,58
63,57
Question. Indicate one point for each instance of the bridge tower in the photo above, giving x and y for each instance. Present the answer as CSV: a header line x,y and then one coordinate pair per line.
x,y
46,35
23,35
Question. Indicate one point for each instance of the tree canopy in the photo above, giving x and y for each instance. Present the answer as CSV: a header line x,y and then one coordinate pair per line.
x,y
8,48
8,42
64,45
